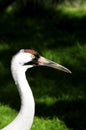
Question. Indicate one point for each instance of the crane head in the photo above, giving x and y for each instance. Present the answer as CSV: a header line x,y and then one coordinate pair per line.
x,y
28,58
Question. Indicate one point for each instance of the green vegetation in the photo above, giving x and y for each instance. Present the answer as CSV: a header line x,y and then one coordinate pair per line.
x,y
75,9
59,35
7,115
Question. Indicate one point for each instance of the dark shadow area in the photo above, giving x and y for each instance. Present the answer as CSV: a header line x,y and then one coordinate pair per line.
x,y
47,28
73,113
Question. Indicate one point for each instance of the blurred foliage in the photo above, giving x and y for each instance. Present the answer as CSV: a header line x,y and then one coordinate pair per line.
x,y
20,5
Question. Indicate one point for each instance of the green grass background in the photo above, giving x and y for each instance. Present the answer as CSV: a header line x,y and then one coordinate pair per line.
x,y
59,35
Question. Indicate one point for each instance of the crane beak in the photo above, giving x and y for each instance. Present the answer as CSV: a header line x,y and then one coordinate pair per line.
x,y
45,62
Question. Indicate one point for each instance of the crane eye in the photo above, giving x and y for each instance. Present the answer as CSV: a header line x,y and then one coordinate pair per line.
x,y
32,56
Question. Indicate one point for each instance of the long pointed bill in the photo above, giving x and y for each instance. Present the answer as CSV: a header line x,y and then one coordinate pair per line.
x,y
45,62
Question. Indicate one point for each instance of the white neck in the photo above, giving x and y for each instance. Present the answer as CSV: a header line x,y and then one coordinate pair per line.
x,y
24,119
